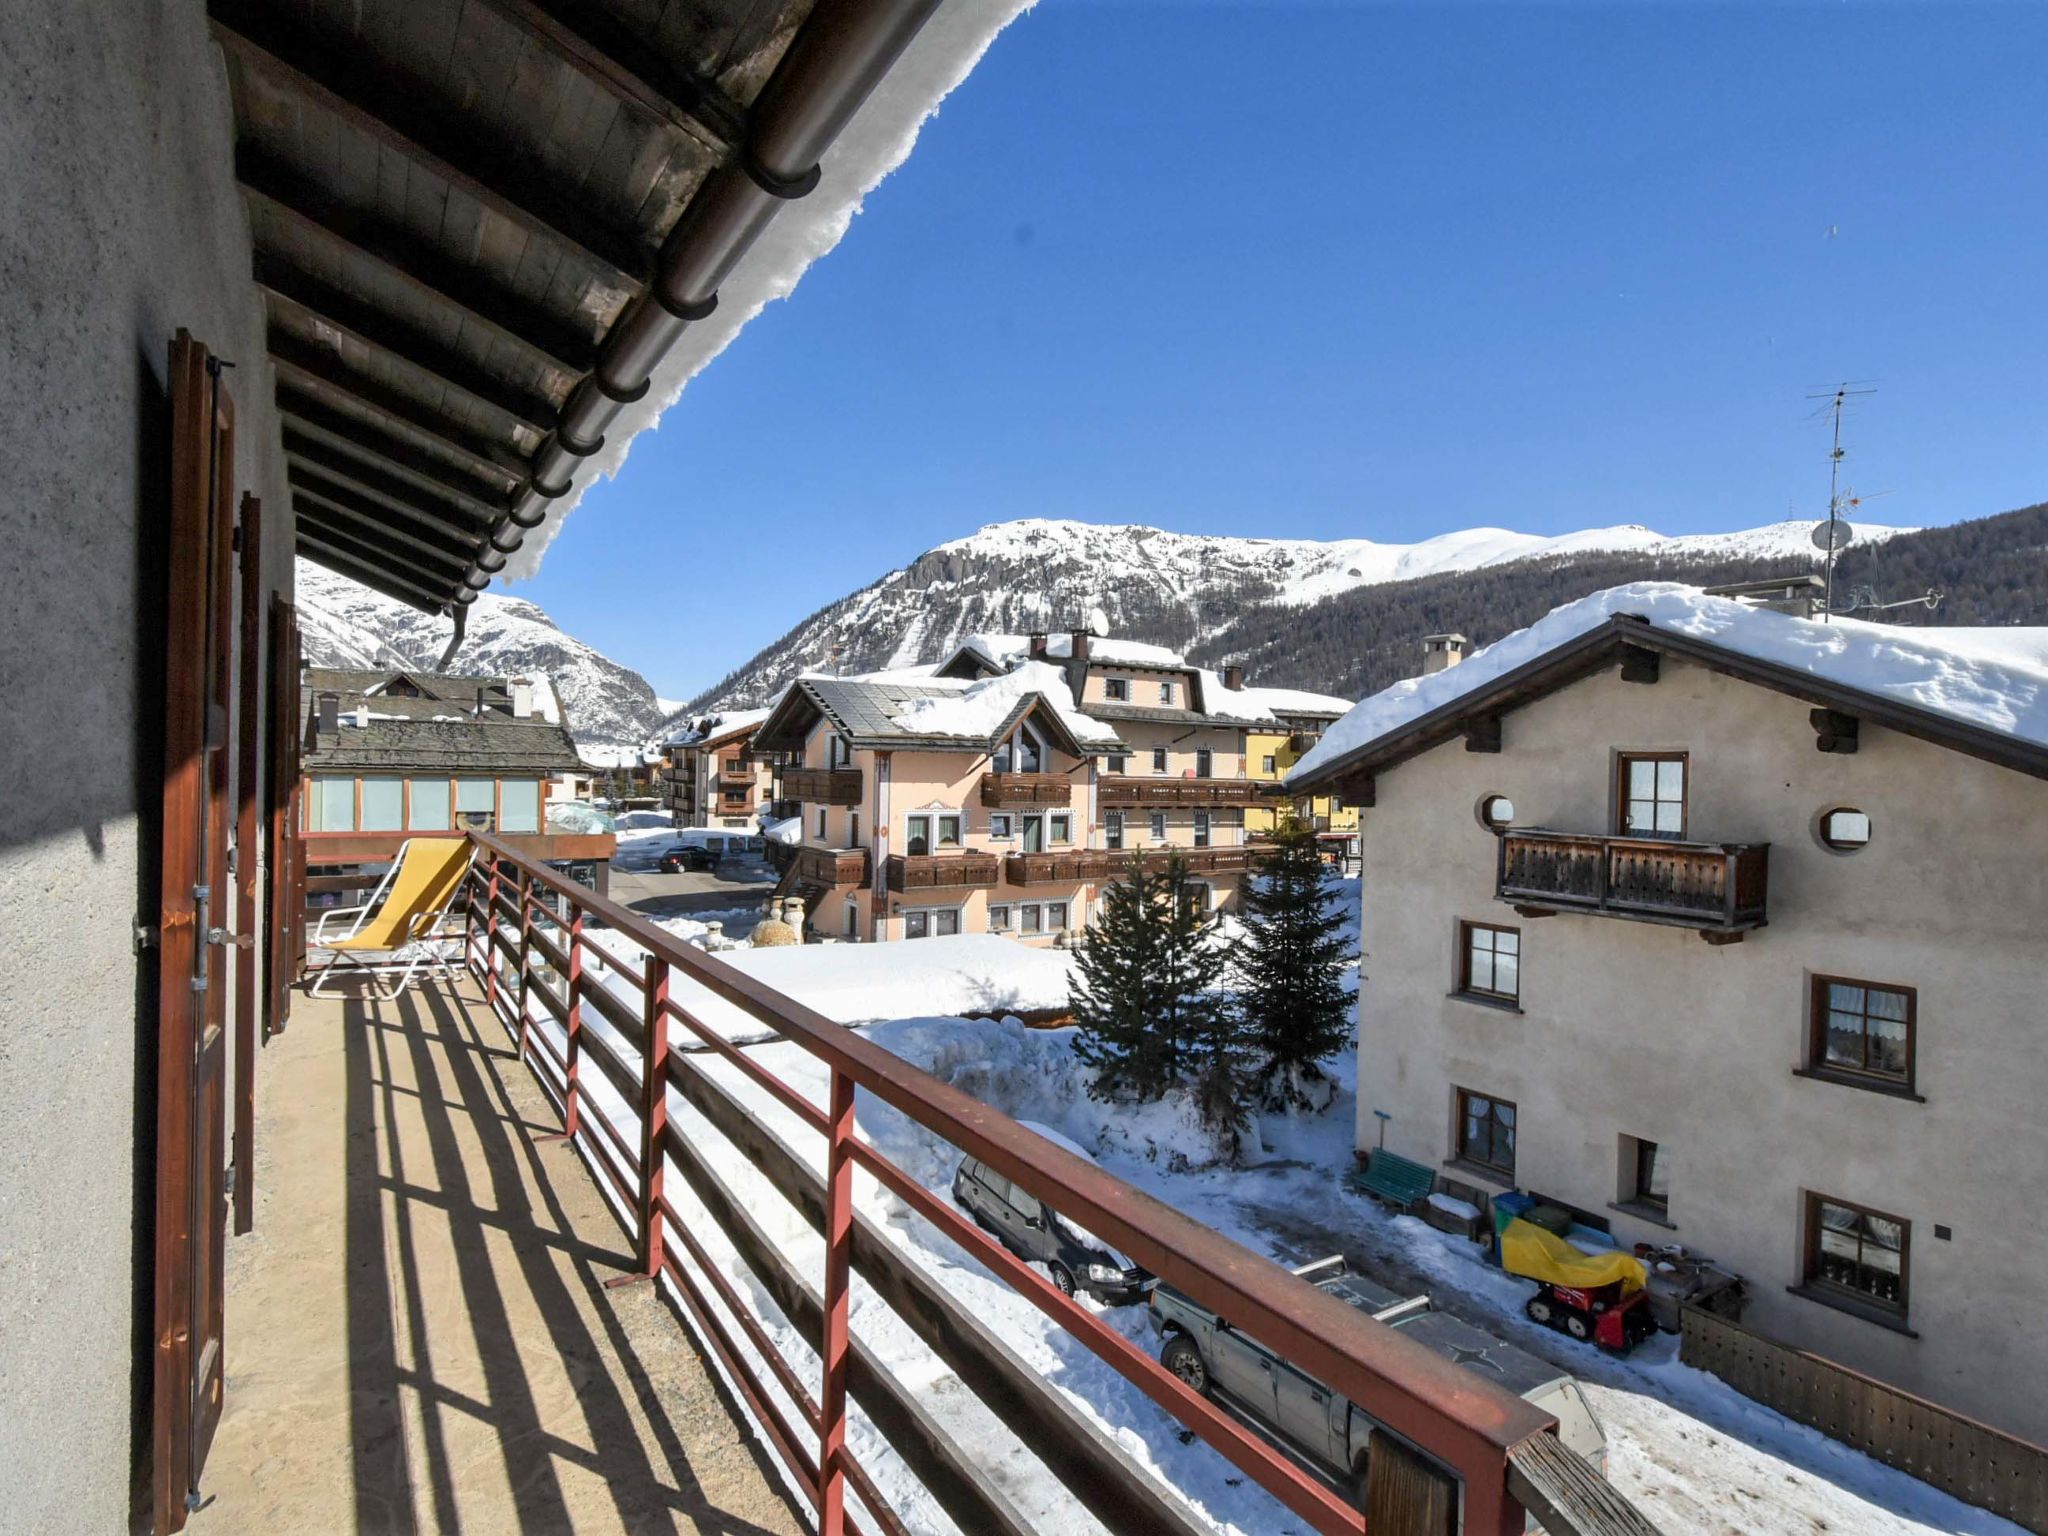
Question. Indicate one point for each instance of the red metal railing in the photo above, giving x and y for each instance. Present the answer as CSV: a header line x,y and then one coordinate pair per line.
x,y
529,925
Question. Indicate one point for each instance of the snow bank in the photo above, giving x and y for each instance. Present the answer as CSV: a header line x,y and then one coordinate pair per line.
x,y
1981,679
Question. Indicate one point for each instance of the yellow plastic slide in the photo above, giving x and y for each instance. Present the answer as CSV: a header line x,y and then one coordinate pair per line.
x,y
1526,1249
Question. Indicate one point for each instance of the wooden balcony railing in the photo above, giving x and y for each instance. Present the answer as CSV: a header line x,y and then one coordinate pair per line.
x,y
740,778
1715,887
823,786
833,866
927,871
999,789
595,1025
1135,789
1069,865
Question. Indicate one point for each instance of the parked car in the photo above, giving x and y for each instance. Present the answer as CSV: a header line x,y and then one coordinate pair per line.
x,y
1077,1259
687,856
1323,1426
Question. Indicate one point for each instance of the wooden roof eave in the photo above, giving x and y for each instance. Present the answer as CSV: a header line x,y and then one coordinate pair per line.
x,y
1602,647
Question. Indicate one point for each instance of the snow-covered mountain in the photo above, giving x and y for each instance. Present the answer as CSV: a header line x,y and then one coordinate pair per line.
x,y
610,708
1185,590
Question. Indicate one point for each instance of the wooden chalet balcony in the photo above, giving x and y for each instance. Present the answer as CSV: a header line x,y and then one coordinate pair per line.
x,y
743,778
823,786
1136,789
832,866
1075,864
931,871
1717,888
999,789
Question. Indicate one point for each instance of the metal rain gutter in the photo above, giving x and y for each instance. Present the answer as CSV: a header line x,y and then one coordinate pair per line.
x,y
839,56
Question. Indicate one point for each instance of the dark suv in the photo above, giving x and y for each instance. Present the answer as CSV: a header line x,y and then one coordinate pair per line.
x,y
1022,1223
687,856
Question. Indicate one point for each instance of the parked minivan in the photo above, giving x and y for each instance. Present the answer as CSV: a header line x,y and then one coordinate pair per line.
x,y
1211,1356
1022,1223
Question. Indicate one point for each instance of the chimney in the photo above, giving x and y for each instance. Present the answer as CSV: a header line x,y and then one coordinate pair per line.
x,y
522,698
1233,679
362,717
1037,650
329,705
1441,651
1080,645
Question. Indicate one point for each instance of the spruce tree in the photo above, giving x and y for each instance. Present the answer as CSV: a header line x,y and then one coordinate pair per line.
x,y
1291,966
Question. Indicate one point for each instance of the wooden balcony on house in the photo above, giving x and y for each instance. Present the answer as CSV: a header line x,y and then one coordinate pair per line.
x,y
1718,888
1000,789
823,786
832,866
1071,865
969,867
741,776
1137,789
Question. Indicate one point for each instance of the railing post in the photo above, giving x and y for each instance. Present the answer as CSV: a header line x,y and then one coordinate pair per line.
x,y
525,942
653,1119
574,1025
838,1251
491,939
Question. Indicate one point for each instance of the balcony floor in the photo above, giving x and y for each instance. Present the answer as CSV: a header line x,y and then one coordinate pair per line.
x,y
417,1334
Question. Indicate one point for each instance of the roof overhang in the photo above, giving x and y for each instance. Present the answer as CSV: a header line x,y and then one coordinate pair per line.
x,y
1612,644
494,237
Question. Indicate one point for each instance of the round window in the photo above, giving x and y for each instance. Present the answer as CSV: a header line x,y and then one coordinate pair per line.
x,y
1844,829
1495,812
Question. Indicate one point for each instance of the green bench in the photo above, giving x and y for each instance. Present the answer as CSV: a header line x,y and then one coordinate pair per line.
x,y
1394,1180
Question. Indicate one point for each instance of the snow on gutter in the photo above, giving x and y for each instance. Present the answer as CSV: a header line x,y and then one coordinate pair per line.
x,y
876,140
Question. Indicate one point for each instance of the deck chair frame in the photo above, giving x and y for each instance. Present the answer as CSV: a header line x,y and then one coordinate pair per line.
x,y
422,945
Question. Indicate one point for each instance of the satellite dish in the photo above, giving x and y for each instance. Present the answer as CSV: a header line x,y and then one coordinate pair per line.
x,y
1837,534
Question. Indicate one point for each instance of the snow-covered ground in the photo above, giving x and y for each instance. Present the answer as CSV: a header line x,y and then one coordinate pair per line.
x,y
1694,1455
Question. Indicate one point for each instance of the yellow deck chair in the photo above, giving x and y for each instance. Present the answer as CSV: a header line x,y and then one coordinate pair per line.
x,y
395,932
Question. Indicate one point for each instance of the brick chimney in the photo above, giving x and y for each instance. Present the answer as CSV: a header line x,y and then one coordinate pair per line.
x,y
1441,651
1080,644
1233,678
1037,650
329,706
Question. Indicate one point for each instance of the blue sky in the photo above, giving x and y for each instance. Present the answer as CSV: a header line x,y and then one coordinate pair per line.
x,y
1374,271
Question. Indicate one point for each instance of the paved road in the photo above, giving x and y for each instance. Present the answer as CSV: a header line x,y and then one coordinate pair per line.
x,y
735,884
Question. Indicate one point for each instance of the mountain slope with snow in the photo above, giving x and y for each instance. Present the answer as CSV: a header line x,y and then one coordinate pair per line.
x,y
344,624
1183,590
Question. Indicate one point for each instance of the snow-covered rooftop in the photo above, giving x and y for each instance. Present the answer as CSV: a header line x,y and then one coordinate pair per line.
x,y
980,709
1299,701
715,726
1993,679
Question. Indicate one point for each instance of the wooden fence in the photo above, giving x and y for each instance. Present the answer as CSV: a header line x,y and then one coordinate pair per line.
x,y
1978,1464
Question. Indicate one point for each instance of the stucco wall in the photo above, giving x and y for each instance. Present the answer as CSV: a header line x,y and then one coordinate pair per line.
x,y
122,225
1634,1029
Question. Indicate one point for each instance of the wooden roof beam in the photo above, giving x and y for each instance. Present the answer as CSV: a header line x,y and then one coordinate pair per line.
x,y
301,361
373,328
349,87
304,459
403,258
319,545
589,40
410,547
342,434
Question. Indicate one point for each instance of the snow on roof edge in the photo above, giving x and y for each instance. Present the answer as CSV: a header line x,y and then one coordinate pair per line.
x,y
1970,683
871,146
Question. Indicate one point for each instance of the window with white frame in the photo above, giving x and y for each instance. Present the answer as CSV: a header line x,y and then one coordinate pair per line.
x,y
1166,693
1159,759
931,922
1159,826
1201,829
999,918
853,919
1029,918
1205,763
1116,689
1055,915
931,832
1269,764
1060,826
1112,829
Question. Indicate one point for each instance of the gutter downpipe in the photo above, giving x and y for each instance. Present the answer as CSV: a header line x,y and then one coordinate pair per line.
x,y
840,55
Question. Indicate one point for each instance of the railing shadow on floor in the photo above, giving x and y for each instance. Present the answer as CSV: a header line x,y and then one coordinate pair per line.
x,y
423,1055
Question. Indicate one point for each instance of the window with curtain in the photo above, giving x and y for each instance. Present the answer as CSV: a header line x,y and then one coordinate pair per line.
x,y
432,806
1652,798
519,806
476,803
1862,1030
332,804
1486,1132
383,804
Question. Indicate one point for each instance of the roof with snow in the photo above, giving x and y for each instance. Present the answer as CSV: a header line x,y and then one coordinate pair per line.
x,y
1983,692
711,730
985,655
1299,704
591,201
938,713
461,724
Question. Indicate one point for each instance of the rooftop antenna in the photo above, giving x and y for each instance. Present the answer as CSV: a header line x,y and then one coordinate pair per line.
x,y
1835,534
